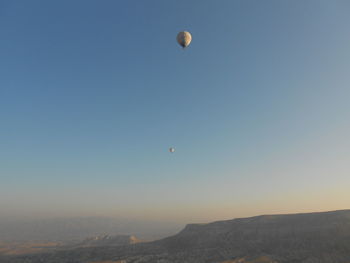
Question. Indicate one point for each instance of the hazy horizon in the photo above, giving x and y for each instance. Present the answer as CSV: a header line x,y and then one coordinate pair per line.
x,y
93,94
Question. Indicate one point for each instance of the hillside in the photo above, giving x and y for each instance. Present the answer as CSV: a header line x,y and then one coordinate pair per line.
x,y
303,238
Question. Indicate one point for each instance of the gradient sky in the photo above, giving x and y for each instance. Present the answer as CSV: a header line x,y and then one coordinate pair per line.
x,y
93,93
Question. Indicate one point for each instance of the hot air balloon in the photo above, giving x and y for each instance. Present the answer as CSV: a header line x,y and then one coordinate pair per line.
x,y
184,38
171,149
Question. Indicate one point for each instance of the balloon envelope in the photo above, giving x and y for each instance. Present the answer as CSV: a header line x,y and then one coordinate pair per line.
x,y
171,149
184,38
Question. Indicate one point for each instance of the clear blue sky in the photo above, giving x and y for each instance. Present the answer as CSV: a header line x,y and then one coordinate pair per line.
x,y
93,93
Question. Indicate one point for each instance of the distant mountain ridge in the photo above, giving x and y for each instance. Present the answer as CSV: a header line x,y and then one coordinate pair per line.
x,y
33,247
78,228
294,238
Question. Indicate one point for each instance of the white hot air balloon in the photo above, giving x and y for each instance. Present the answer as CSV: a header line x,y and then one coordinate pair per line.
x,y
171,149
184,38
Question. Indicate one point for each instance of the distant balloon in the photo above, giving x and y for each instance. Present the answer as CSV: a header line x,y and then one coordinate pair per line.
x,y
171,149
184,38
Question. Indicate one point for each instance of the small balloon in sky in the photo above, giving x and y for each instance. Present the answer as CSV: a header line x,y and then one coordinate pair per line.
x,y
171,149
184,38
